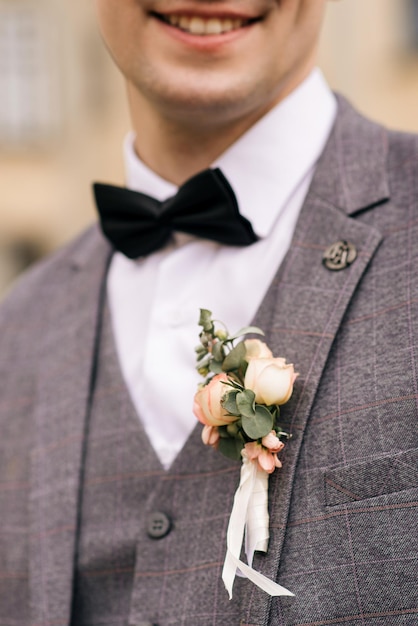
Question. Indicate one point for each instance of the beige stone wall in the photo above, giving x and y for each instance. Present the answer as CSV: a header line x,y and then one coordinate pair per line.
x,y
45,194
365,55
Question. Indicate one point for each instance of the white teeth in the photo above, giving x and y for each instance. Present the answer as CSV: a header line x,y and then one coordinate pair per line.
x,y
197,25
213,27
227,25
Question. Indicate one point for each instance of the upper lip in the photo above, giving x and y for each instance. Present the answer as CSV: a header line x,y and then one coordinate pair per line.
x,y
207,11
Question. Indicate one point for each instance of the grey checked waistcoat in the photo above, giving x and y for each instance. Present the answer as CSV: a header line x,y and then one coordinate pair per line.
x,y
122,575
343,510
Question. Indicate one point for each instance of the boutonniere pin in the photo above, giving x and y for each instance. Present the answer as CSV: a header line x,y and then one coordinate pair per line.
x,y
239,407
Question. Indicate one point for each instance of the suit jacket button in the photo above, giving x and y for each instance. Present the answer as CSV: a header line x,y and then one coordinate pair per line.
x,y
158,525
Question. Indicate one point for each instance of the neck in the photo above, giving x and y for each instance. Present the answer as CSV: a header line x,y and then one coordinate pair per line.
x,y
177,148
178,151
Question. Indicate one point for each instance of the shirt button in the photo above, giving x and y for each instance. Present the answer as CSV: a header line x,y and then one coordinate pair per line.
x,y
158,525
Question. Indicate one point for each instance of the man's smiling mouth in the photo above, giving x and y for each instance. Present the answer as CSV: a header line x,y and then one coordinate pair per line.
x,y
204,26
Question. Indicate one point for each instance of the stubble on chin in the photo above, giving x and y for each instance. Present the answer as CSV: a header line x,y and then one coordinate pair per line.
x,y
199,98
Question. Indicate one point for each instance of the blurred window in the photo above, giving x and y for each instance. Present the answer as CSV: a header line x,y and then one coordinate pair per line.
x,y
29,111
412,16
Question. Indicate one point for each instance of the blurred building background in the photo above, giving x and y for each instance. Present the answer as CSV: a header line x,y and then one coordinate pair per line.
x,y
63,113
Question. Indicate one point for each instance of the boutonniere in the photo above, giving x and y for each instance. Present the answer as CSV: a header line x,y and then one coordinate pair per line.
x,y
239,407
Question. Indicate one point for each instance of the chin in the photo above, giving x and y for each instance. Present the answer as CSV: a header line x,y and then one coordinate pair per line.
x,y
205,103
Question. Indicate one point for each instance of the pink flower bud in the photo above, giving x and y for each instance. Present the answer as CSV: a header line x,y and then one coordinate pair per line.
x,y
272,442
210,436
266,459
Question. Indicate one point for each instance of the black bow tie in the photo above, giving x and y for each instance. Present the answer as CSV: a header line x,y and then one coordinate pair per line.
x,y
205,206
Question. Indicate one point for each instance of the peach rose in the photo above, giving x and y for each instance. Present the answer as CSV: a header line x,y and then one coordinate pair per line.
x,y
257,349
270,379
207,403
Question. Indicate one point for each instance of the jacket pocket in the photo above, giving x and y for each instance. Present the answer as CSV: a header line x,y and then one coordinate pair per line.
x,y
371,478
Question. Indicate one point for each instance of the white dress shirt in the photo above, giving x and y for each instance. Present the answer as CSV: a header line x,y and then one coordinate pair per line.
x,y
155,300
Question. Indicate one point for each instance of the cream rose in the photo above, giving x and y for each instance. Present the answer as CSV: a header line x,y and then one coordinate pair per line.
x,y
207,403
270,379
257,349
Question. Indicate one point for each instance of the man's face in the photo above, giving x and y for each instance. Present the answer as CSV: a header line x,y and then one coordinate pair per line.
x,y
211,61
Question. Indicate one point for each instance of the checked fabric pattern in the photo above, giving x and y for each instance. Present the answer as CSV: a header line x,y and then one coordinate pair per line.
x,y
343,509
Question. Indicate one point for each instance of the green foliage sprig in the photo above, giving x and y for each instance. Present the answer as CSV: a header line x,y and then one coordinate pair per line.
x,y
247,420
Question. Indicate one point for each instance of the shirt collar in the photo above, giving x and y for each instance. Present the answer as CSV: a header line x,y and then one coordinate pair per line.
x,y
265,165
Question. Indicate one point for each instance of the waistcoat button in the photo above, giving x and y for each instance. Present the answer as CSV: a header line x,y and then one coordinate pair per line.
x,y
158,525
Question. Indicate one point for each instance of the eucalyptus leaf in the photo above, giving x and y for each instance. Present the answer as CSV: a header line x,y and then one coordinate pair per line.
x,y
215,367
242,369
245,403
203,358
205,320
229,403
231,448
233,359
218,351
204,361
254,330
260,424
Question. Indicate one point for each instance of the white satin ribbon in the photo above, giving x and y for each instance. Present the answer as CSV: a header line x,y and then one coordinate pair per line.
x,y
250,515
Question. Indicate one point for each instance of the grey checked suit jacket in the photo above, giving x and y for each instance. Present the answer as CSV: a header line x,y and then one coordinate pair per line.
x,y
343,509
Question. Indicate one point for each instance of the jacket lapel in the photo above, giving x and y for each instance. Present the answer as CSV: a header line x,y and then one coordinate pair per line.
x,y
306,303
63,394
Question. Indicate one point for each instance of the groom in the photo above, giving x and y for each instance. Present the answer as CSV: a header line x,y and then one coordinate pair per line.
x,y
112,510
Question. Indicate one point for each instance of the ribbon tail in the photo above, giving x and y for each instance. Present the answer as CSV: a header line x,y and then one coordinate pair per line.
x,y
229,572
264,583
257,522
250,515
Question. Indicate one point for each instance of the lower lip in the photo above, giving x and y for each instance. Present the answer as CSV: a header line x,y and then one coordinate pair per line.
x,y
205,42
